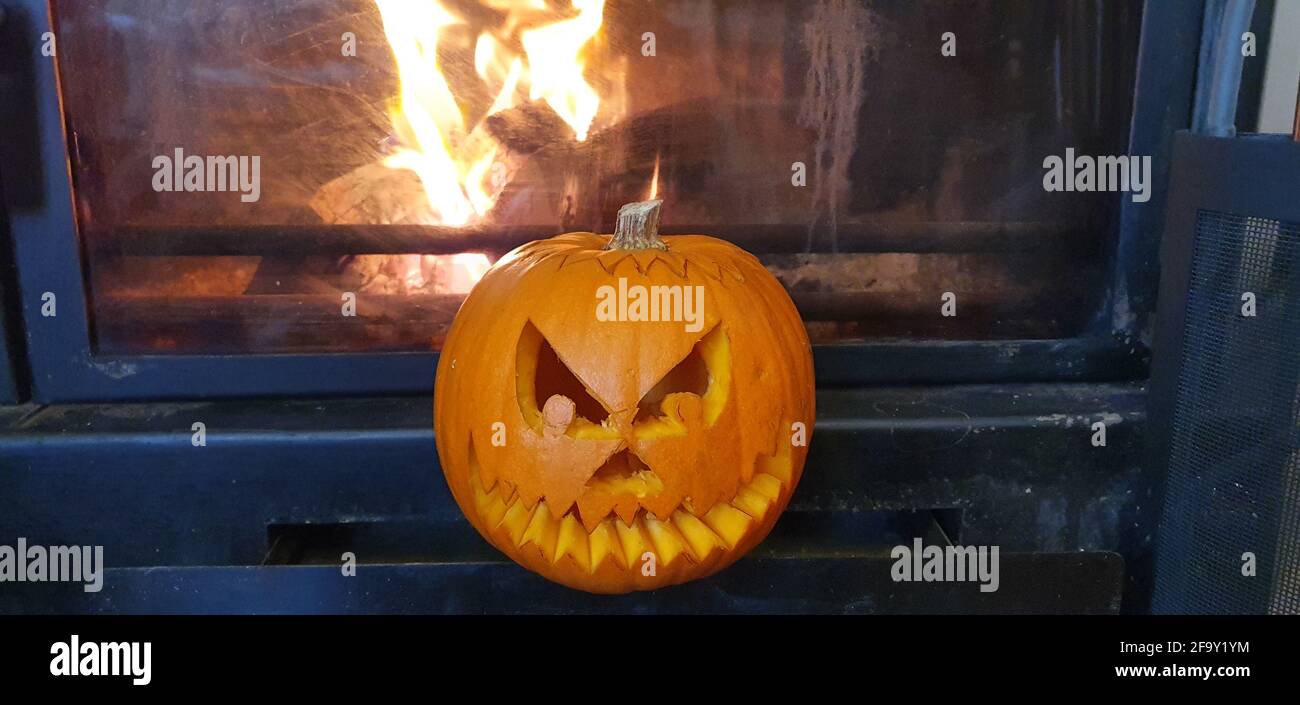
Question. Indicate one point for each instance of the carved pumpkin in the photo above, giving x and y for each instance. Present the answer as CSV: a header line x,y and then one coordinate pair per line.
x,y
623,413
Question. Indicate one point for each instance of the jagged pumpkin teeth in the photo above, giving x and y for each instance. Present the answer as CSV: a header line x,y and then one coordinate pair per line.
x,y
572,541
543,531
632,539
604,543
729,523
699,537
751,502
491,507
515,521
766,485
780,468
668,544
686,533
600,398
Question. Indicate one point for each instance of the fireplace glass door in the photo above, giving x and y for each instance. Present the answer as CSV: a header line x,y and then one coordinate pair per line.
x,y
248,174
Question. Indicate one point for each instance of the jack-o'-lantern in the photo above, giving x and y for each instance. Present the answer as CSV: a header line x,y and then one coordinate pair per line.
x,y
628,412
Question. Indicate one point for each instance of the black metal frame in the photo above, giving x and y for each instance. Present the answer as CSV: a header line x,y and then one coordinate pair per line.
x,y
66,367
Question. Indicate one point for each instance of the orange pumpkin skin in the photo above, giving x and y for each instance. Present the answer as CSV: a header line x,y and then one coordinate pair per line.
x,y
621,455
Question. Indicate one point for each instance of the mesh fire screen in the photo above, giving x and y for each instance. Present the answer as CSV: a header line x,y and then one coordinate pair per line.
x,y
1233,488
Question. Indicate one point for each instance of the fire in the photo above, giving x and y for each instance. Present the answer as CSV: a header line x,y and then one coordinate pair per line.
x,y
654,182
461,167
557,68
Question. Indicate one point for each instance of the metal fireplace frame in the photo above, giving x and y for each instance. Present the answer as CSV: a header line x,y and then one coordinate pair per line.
x,y
66,367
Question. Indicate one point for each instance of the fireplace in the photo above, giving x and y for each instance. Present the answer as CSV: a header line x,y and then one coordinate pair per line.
x,y
239,213
257,182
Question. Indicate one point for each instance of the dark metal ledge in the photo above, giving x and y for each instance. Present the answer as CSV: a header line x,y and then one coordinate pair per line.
x,y
1053,583
1006,465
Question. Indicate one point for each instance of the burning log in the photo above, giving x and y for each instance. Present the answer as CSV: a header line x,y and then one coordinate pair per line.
x,y
373,194
585,183
623,156
528,128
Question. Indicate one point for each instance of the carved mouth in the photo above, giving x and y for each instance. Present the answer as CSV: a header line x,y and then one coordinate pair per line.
x,y
624,473
689,533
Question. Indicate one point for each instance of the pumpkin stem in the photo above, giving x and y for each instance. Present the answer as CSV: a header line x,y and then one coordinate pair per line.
x,y
638,227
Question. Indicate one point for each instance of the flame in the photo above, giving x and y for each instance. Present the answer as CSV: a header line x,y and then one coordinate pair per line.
x,y
654,182
557,68
460,166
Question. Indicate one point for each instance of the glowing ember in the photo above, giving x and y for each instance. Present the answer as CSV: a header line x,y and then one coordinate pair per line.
x,y
463,272
420,274
460,166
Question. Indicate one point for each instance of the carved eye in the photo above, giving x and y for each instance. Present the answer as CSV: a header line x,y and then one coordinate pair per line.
x,y
696,386
690,376
540,377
